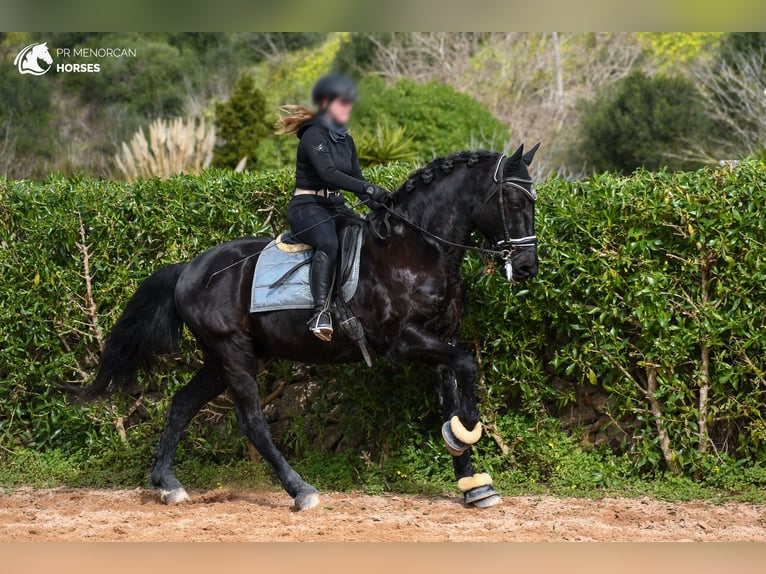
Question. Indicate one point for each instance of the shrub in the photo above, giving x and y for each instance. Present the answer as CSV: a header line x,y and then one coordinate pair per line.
x,y
174,147
640,121
384,145
650,286
438,118
241,122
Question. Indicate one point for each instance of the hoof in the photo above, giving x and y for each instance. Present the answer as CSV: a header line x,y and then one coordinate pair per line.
x,y
306,501
454,446
480,493
488,502
175,496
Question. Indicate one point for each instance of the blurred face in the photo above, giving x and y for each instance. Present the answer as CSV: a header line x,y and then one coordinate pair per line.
x,y
339,110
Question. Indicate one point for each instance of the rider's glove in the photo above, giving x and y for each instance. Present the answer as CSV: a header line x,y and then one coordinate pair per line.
x,y
376,195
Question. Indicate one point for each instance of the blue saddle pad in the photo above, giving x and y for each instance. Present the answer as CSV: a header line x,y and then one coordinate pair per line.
x,y
293,291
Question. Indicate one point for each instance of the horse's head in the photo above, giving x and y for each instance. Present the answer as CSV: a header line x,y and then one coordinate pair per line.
x,y
507,215
41,53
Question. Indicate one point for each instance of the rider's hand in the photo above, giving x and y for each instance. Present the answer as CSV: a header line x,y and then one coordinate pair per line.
x,y
377,195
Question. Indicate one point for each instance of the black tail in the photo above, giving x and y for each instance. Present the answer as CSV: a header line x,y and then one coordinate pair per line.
x,y
149,326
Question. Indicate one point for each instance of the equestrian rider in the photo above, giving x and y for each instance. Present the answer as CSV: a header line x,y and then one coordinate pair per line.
x,y
326,163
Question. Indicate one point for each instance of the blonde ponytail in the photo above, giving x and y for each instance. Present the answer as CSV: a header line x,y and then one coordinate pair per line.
x,y
292,118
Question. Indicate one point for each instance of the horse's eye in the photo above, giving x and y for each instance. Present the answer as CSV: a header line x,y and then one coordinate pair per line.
x,y
514,206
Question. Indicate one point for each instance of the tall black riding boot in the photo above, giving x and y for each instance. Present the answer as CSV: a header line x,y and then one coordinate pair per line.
x,y
321,279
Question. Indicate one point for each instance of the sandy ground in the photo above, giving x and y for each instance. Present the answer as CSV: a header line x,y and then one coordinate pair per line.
x,y
226,515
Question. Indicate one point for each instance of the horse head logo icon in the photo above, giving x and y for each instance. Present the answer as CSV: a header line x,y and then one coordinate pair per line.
x,y
28,59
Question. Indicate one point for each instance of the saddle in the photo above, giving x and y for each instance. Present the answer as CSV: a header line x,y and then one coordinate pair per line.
x,y
281,280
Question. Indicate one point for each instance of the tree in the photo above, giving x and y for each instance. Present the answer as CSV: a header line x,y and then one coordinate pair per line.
x,y
272,44
357,54
241,122
155,84
640,121
733,85
742,44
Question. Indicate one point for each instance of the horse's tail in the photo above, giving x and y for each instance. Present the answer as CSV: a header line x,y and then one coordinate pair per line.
x,y
148,327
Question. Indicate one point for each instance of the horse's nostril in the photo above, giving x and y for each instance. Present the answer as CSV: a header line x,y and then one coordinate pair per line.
x,y
527,270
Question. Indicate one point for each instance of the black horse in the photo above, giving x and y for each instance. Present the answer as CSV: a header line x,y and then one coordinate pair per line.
x,y
409,299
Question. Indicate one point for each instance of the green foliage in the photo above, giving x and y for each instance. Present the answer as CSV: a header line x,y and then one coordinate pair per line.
x,y
356,55
292,75
275,43
384,145
738,45
674,49
241,122
640,121
619,293
25,118
154,84
438,118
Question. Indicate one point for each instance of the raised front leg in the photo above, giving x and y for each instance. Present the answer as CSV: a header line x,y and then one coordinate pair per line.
x,y
477,489
456,369
419,346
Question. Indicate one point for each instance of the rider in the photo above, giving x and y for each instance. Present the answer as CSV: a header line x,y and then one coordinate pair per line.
x,y
326,163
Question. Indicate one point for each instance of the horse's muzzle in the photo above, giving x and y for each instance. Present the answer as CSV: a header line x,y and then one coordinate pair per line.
x,y
521,266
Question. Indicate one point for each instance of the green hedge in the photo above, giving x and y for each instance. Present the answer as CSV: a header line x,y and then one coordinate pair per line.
x,y
652,287
620,304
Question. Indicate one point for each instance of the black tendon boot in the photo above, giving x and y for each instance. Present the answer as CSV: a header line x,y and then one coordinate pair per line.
x,y
321,279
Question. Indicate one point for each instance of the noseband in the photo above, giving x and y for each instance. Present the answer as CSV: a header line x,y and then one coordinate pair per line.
x,y
509,246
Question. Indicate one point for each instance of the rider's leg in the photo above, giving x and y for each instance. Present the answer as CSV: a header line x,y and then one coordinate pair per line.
x,y
320,280
312,223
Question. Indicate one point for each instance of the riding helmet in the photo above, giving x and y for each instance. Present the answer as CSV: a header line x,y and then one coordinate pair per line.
x,y
334,85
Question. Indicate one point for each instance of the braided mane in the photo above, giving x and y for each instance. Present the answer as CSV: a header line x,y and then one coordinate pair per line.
x,y
426,174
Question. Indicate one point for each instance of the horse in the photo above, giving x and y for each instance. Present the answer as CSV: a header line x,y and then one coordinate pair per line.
x,y
27,60
409,299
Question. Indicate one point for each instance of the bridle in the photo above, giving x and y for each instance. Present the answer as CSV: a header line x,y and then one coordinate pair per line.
x,y
507,246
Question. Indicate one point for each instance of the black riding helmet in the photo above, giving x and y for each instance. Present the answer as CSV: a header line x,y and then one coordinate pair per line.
x,y
334,86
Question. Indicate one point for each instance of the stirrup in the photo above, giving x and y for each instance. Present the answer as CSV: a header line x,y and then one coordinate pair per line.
x,y
321,326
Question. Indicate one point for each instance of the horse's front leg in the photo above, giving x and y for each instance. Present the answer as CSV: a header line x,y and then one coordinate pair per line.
x,y
477,489
457,369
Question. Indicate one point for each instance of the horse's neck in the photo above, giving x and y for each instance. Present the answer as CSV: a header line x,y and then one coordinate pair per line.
x,y
444,210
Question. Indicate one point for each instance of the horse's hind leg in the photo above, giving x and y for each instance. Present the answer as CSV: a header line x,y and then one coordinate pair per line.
x,y
206,384
239,364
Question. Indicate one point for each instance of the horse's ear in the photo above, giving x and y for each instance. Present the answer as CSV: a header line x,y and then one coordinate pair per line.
x,y
513,162
530,155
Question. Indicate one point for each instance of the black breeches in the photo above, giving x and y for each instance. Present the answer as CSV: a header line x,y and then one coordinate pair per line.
x,y
315,220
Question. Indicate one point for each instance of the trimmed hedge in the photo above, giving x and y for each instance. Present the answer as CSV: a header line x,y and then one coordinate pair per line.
x,y
650,286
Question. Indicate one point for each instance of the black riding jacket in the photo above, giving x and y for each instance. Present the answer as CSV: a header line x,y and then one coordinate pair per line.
x,y
327,161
